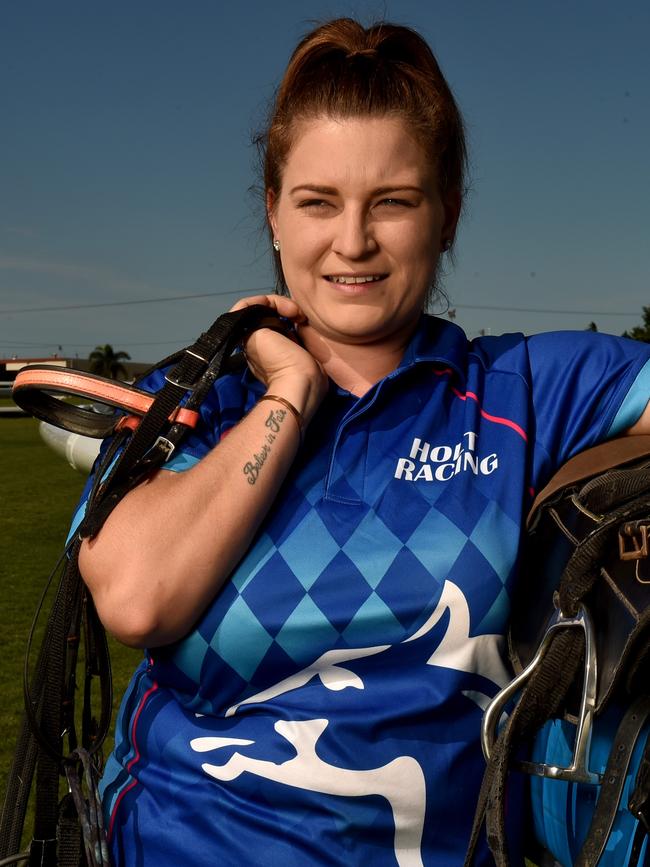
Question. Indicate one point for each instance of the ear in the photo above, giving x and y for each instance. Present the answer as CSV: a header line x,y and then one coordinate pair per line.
x,y
270,211
452,204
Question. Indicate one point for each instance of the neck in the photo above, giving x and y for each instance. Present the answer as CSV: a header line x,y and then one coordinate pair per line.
x,y
355,367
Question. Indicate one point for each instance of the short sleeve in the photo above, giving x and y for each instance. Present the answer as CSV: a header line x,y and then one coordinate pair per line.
x,y
586,387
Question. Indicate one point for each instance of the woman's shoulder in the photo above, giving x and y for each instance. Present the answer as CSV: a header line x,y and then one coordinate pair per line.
x,y
550,361
557,349
589,350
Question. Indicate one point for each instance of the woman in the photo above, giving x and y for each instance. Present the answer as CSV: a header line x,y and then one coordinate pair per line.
x,y
324,591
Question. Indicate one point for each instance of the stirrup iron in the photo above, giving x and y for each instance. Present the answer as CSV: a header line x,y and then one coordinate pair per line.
x,y
577,771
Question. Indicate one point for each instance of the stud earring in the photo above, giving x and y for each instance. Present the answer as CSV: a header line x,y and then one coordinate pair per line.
x,y
276,245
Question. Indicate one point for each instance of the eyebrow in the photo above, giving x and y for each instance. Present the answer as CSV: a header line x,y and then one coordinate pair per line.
x,y
379,191
314,188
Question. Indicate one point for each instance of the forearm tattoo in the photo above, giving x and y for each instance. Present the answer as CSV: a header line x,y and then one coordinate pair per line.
x,y
274,422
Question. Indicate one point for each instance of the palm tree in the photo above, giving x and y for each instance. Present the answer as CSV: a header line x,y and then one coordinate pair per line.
x,y
105,362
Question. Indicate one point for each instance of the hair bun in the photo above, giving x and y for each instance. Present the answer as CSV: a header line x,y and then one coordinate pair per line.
x,y
362,52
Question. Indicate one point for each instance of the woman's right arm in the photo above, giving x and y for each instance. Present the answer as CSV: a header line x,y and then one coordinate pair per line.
x,y
169,545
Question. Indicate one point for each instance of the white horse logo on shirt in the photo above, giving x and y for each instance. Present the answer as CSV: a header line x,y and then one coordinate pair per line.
x,y
401,782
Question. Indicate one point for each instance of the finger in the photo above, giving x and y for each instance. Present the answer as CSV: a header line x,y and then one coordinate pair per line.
x,y
250,301
284,306
261,339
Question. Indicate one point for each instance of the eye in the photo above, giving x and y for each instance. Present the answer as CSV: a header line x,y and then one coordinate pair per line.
x,y
396,203
314,204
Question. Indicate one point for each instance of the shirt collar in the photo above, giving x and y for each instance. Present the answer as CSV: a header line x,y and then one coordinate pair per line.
x,y
434,341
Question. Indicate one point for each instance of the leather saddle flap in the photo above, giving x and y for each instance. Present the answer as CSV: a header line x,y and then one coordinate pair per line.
x,y
618,602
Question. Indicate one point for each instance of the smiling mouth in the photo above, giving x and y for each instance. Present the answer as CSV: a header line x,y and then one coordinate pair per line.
x,y
354,280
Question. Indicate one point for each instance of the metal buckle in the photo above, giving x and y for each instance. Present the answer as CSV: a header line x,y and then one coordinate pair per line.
x,y
187,385
577,771
633,531
167,446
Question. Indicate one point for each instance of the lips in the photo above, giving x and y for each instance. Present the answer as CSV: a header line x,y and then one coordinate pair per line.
x,y
354,279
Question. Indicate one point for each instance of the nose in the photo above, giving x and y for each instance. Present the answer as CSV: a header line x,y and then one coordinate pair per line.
x,y
354,237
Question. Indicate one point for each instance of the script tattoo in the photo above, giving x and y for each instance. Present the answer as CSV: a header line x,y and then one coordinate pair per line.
x,y
251,469
275,419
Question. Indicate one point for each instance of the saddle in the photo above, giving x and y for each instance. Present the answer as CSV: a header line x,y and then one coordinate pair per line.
x,y
61,736
579,642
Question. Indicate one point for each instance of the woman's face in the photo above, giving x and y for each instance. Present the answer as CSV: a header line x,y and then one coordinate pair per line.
x,y
361,225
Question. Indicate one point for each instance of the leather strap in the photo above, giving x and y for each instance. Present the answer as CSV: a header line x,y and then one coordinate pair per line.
x,y
35,388
592,462
618,763
81,384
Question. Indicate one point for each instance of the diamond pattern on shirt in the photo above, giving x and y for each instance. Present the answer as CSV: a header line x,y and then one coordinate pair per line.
x,y
471,566
329,570
228,641
374,617
340,608
254,560
220,686
293,601
307,633
462,509
436,542
402,514
404,585
276,664
309,549
372,548
496,535
190,654
342,519
296,508
288,592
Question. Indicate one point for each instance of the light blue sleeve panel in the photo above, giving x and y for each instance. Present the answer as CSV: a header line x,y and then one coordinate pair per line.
x,y
81,506
634,403
180,462
76,520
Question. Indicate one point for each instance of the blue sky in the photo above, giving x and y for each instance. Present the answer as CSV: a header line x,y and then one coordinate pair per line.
x,y
125,162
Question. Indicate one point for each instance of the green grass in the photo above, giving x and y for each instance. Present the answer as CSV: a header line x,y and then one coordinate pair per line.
x,y
39,493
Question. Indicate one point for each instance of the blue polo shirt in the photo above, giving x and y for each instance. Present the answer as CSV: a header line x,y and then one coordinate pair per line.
x,y
326,707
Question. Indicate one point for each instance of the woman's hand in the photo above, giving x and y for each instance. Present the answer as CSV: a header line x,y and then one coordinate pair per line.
x,y
282,364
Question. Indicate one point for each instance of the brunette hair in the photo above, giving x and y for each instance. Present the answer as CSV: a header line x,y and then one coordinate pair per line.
x,y
342,69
